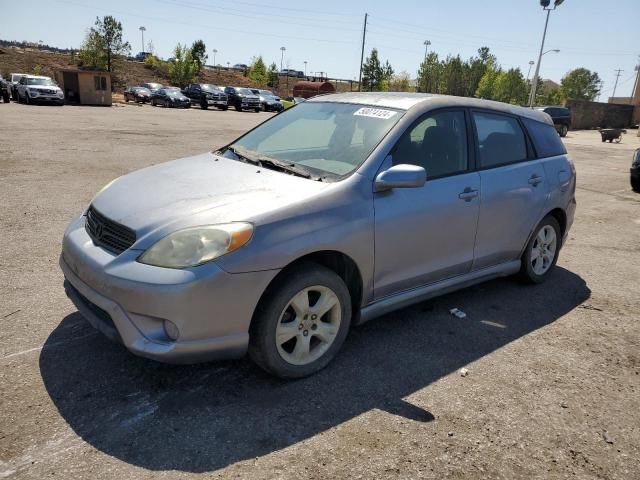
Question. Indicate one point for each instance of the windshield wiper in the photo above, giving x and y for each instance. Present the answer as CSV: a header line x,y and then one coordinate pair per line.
x,y
268,162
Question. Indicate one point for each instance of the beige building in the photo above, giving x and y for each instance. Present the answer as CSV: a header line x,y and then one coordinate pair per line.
x,y
85,87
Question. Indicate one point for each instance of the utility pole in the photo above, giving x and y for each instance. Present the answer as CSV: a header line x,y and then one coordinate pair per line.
x,y
635,93
616,84
531,64
282,49
305,68
364,37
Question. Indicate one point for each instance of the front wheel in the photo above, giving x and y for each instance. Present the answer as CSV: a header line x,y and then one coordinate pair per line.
x,y
257,110
301,323
542,251
635,184
204,105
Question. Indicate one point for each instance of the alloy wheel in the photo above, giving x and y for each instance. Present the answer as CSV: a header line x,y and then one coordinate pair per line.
x,y
308,325
543,250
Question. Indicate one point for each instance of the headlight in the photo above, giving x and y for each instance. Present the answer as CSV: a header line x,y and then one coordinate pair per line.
x,y
197,245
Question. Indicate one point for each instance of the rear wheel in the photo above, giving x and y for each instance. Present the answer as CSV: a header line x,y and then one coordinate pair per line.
x,y
238,107
257,110
563,130
542,251
635,184
301,323
204,105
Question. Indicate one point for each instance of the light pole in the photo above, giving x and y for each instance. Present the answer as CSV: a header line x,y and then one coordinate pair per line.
x,y
282,49
426,48
142,30
555,50
531,64
534,86
305,68
214,57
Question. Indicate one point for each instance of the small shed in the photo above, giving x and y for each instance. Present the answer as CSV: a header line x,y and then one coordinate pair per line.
x,y
85,87
306,89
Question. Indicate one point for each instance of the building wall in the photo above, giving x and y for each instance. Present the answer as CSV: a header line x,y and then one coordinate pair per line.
x,y
585,115
88,94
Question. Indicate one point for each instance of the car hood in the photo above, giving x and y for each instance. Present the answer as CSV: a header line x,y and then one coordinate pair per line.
x,y
43,87
203,190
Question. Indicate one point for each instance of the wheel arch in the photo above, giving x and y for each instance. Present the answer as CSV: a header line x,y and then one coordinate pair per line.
x,y
340,263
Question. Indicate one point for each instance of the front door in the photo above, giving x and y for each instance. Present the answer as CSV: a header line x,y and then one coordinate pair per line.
x,y
427,234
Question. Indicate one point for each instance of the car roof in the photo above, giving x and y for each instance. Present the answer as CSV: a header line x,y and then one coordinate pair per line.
x,y
37,76
427,101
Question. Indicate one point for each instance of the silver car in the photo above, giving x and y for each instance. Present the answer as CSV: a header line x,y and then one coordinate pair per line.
x,y
338,210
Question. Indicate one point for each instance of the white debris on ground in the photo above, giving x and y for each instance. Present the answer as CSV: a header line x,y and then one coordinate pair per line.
x,y
456,312
464,372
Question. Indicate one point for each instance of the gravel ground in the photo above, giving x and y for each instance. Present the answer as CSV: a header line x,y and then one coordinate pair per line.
x,y
553,383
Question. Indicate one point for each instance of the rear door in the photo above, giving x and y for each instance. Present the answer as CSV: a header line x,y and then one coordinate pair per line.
x,y
513,188
427,234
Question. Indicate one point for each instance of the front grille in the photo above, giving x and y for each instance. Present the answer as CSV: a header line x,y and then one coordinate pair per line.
x,y
107,233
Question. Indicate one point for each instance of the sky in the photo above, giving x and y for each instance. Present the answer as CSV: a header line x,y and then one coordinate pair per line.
x,y
600,35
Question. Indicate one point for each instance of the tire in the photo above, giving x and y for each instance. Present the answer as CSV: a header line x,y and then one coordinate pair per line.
x,y
126,99
204,105
257,110
563,131
309,282
541,254
635,184
238,108
27,100
6,98
224,108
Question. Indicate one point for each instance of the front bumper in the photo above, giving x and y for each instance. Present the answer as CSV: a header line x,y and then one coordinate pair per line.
x,y
129,301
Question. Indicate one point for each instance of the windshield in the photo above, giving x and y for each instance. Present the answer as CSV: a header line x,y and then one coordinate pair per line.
x,y
267,93
173,93
326,139
244,91
209,88
40,81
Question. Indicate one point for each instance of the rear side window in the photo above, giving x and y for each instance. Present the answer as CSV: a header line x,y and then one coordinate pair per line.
x,y
500,139
545,138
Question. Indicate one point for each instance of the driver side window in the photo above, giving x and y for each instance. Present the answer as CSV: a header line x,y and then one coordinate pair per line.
x,y
437,142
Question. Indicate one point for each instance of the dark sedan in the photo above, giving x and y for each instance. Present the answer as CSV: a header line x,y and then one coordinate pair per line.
x,y
137,94
561,117
170,98
270,101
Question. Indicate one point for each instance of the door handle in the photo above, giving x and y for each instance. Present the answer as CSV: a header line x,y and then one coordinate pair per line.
x,y
468,194
535,180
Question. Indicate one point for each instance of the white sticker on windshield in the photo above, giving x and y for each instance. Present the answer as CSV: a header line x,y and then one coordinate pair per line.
x,y
375,113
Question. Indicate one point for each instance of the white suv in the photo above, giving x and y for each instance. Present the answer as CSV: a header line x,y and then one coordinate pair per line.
x,y
32,89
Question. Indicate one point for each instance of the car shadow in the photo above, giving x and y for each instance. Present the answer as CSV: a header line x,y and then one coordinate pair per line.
x,y
204,417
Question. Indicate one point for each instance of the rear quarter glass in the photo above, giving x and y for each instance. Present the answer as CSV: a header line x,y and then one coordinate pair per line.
x,y
546,140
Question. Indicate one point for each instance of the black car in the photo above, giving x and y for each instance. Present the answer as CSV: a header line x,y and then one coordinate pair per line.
x,y
270,101
206,95
635,172
170,98
137,94
561,117
242,99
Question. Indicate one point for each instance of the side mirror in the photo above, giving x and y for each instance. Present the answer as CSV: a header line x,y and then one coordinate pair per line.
x,y
401,176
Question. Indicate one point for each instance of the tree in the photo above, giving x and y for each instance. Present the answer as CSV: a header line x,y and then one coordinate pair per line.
x,y
580,84
429,74
258,72
400,82
107,35
511,87
199,53
183,69
92,52
487,85
375,76
549,95
273,77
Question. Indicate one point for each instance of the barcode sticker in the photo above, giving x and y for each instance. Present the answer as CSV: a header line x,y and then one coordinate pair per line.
x,y
375,113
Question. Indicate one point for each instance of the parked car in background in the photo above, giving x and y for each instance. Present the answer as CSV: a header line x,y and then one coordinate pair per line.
x,y
5,90
206,95
152,86
39,89
15,79
240,66
635,172
142,56
242,99
137,94
168,97
561,117
270,101
267,245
